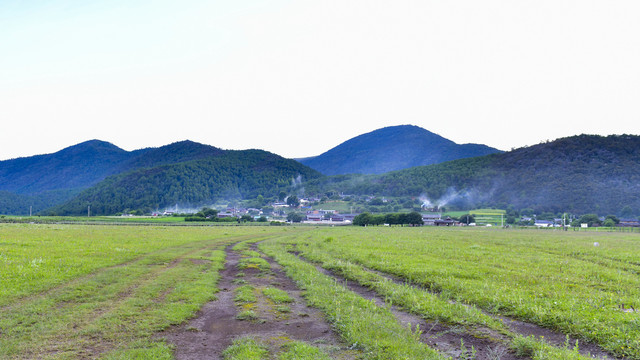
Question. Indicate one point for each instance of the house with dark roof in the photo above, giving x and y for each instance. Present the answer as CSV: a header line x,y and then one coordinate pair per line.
x,y
446,222
629,223
430,219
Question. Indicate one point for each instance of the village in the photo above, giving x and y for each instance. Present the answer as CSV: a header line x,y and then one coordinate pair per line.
x,y
310,211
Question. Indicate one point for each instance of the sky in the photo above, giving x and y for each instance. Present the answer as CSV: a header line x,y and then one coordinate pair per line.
x,y
299,77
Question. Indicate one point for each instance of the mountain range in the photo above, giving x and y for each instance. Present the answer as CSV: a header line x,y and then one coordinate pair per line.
x,y
580,174
111,179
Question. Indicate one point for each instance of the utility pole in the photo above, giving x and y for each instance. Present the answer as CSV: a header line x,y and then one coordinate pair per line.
x,y
89,211
30,210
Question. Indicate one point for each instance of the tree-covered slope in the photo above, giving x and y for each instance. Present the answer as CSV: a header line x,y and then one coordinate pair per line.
x,y
80,165
579,174
43,181
392,148
230,175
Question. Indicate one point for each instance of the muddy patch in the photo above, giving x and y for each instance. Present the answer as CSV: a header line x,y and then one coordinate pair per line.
x,y
217,324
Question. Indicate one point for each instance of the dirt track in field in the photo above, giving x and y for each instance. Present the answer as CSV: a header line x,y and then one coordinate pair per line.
x,y
215,326
444,337
524,328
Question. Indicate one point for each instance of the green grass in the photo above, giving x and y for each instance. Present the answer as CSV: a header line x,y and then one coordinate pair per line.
x,y
540,350
97,291
35,258
93,219
248,315
554,279
433,307
360,322
249,348
298,350
276,295
79,291
254,263
245,294
246,348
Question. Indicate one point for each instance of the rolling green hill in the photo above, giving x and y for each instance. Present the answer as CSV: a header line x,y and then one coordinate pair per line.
x,y
228,175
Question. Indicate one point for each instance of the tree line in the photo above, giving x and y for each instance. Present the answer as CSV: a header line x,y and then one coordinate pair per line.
x,y
413,218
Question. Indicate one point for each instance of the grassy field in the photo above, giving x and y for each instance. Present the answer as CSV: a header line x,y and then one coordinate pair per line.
x,y
79,291
92,219
559,280
71,291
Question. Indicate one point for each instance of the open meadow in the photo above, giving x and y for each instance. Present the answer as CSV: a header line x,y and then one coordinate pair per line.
x,y
307,292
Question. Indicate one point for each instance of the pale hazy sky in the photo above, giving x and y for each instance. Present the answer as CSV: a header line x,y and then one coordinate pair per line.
x,y
299,77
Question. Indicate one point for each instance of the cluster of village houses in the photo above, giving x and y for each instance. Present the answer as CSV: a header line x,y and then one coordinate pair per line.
x,y
560,222
334,217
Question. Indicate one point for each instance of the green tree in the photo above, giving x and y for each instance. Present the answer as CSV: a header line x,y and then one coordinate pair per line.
x,y
294,217
377,219
468,219
246,218
209,213
293,201
391,219
591,219
613,218
414,218
363,219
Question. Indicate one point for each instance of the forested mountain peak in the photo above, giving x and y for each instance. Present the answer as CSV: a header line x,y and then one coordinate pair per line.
x,y
392,148
91,146
79,165
176,152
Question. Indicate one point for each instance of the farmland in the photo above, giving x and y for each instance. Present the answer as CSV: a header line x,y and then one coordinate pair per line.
x,y
119,292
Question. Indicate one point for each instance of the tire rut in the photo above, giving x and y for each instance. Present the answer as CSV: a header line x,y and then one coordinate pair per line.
x,y
447,339
516,326
521,327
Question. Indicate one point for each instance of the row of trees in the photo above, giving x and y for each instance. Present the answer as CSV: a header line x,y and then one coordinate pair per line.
x,y
412,218
208,214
